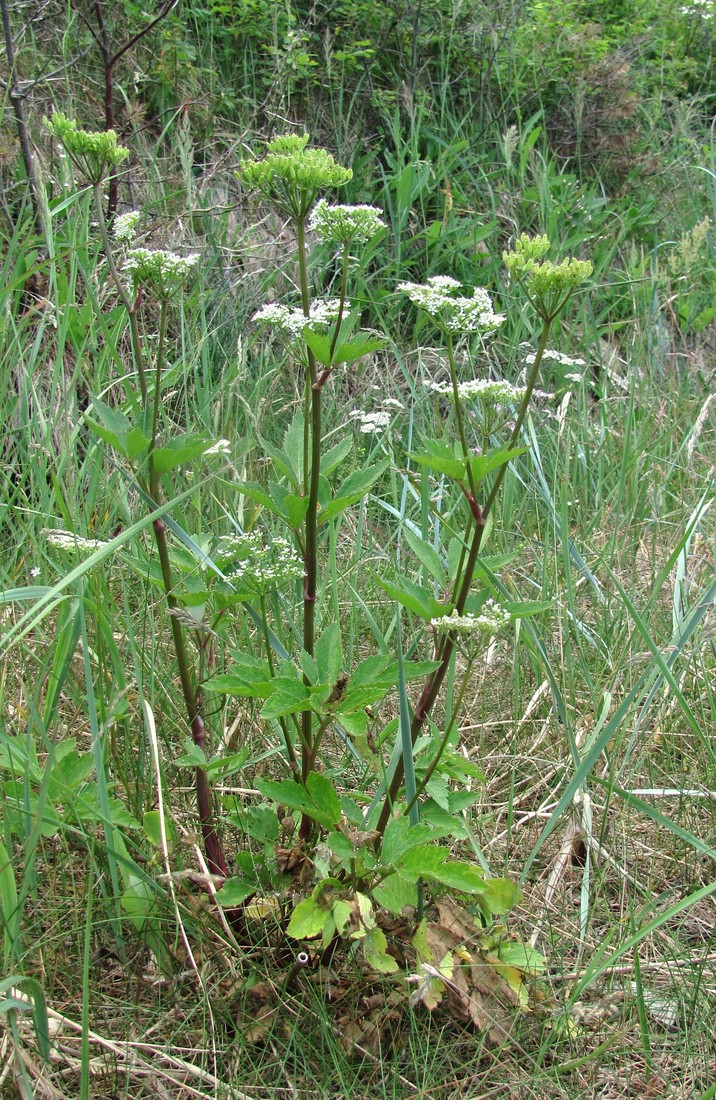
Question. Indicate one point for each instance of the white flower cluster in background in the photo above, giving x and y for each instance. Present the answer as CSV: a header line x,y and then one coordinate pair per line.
x,y
492,391
345,224
703,8
292,322
161,271
67,540
490,619
549,356
246,558
221,447
453,312
125,226
371,423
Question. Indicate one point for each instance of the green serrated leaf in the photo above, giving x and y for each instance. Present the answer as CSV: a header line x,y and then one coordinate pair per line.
x,y
362,344
289,696
307,920
295,508
375,951
415,597
439,455
151,824
180,450
249,677
399,837
333,457
461,876
426,555
234,892
352,489
395,894
329,655
501,896
320,345
421,862
481,465
324,797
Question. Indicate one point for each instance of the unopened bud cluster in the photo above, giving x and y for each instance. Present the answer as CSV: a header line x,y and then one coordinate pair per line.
x,y
94,153
549,285
291,175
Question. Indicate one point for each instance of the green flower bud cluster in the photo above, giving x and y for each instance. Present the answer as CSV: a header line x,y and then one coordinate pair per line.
x,y
291,175
345,224
548,285
93,153
161,272
526,251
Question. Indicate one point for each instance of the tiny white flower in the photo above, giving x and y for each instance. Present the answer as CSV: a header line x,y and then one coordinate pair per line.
x,y
371,423
162,272
35,571
555,357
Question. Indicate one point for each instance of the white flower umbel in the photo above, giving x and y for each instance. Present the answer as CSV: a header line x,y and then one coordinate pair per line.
x,y
248,562
67,540
292,322
453,312
490,619
491,391
125,226
549,356
221,447
371,423
345,224
162,272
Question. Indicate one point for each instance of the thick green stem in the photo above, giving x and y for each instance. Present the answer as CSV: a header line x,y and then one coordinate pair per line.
x,y
435,680
458,414
215,856
282,721
342,302
163,311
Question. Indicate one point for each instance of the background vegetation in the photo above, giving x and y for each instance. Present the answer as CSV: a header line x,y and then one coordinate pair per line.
x,y
467,123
